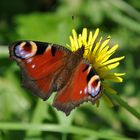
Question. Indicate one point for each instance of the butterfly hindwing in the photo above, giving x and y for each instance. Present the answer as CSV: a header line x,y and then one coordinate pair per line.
x,y
83,86
39,62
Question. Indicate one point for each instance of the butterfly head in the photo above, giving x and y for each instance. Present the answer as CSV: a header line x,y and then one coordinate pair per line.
x,y
81,51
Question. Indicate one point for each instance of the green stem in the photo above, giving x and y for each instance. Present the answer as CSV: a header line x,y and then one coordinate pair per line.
x,y
62,129
124,104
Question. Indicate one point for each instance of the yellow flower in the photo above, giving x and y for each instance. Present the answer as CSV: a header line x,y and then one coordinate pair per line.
x,y
98,52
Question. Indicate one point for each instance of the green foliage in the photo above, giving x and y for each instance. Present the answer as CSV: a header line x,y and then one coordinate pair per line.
x,y
24,116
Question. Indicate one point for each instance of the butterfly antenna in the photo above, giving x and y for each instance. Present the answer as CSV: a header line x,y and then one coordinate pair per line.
x,y
73,20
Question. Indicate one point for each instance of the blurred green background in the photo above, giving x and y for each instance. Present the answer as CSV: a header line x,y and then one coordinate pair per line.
x,y
25,117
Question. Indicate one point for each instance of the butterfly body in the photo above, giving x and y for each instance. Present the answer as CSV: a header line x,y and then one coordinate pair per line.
x,y
70,64
48,67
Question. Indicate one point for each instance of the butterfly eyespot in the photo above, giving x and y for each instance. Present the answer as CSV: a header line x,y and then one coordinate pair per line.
x,y
25,50
94,86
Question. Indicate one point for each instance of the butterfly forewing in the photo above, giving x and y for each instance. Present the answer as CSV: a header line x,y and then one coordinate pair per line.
x,y
39,62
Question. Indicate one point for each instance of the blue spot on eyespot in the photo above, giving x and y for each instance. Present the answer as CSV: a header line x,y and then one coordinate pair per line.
x,y
21,53
92,92
97,90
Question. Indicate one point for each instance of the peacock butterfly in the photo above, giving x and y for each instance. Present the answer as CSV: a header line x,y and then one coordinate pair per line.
x,y
47,68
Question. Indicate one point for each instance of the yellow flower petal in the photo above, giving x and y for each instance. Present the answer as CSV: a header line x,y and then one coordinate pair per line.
x,y
76,45
113,78
113,60
110,52
94,36
119,74
84,34
105,50
113,49
96,47
103,71
105,58
114,65
104,44
102,54
89,39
